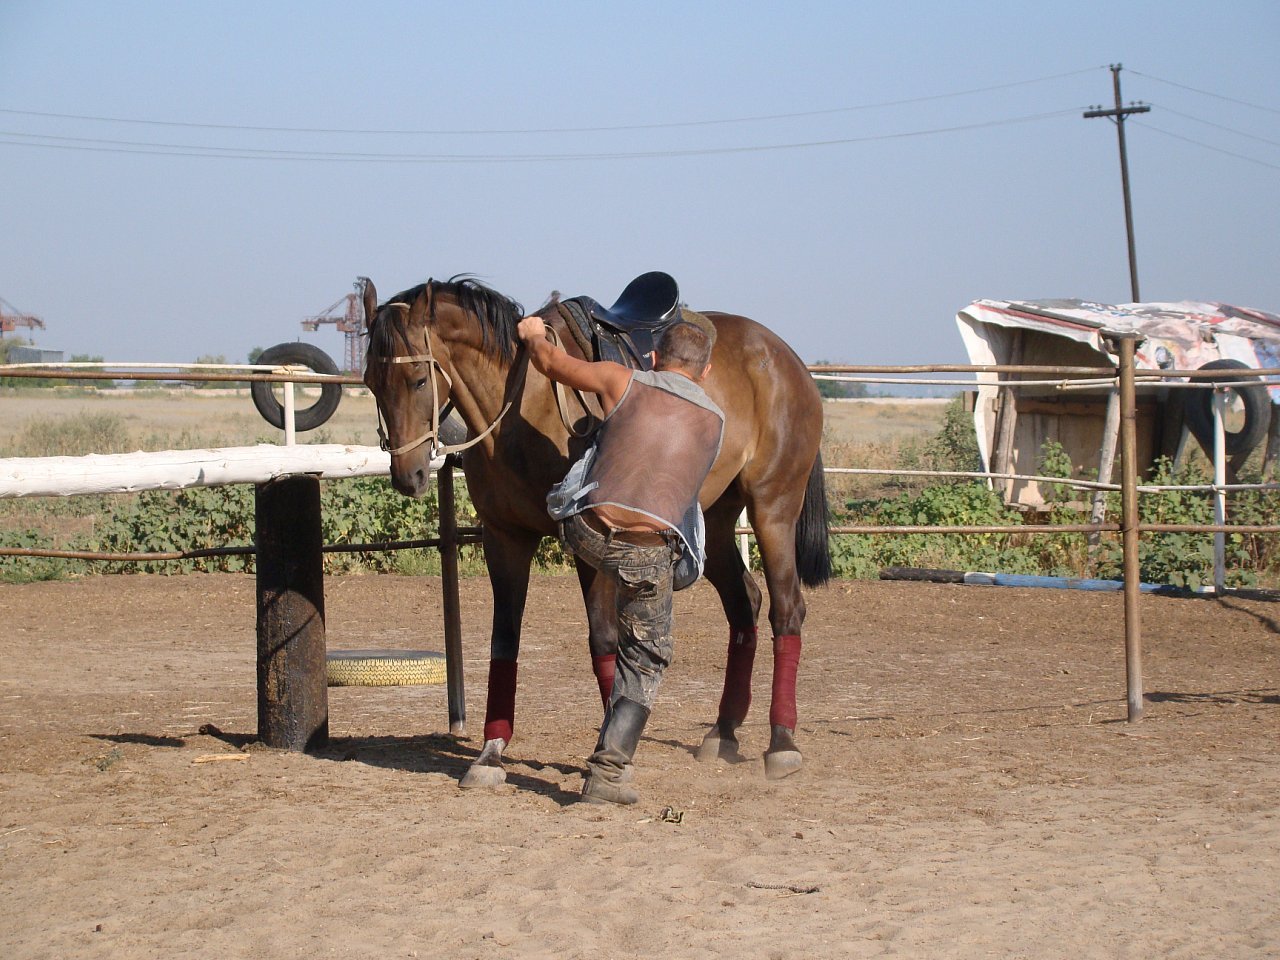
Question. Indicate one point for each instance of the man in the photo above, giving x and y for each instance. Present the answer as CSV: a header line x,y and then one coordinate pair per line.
x,y
630,508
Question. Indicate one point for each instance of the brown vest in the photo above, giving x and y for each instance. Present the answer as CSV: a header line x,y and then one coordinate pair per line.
x,y
656,447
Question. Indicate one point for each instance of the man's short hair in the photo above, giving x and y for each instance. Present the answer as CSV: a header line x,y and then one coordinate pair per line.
x,y
686,345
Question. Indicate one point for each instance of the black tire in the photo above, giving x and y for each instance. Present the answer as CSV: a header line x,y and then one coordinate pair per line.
x,y
304,418
1198,407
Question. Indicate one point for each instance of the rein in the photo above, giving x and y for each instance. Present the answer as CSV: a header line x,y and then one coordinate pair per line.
x,y
433,434
593,418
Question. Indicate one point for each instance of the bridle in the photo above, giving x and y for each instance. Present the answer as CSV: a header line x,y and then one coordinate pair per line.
x,y
438,413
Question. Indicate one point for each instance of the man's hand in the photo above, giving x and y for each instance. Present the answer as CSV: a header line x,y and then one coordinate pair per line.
x,y
531,328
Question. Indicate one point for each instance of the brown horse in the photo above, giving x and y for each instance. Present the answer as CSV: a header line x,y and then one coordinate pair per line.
x,y
455,342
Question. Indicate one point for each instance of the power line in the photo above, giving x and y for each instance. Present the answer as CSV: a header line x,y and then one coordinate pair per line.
x,y
1210,123
1207,146
1207,93
250,153
539,130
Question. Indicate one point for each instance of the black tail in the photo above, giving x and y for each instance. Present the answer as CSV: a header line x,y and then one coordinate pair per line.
x,y
813,548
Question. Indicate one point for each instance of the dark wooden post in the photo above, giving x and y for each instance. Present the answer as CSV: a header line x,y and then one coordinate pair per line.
x,y
451,603
293,698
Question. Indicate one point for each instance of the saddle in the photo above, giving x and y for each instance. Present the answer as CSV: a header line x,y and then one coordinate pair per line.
x,y
627,331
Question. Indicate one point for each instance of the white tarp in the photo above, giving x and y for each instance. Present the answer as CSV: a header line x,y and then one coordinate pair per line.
x,y
1177,336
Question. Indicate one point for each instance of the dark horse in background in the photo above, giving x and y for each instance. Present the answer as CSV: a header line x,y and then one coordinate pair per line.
x,y
456,342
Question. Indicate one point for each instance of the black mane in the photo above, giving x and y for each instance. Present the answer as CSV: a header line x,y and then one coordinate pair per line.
x,y
496,313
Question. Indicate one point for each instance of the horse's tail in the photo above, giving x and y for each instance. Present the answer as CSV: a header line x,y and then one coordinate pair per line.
x,y
813,547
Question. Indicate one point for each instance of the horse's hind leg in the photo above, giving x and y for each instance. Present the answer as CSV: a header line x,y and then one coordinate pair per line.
x,y
740,598
777,539
602,626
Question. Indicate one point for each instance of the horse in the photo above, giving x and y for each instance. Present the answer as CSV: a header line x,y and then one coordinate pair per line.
x,y
454,343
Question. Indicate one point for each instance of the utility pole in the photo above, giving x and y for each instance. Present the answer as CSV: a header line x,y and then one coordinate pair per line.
x,y
1118,115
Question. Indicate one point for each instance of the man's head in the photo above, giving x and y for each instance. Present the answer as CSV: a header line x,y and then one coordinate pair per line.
x,y
685,347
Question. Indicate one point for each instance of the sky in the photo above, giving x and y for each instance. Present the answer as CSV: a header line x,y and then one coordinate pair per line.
x,y
180,180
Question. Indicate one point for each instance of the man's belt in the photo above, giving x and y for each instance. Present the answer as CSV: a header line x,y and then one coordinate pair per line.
x,y
638,538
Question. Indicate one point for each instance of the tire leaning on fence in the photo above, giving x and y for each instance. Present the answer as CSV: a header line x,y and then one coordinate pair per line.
x,y
297,354
1198,410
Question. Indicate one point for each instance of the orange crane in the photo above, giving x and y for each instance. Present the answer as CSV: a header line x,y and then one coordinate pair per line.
x,y
347,315
11,318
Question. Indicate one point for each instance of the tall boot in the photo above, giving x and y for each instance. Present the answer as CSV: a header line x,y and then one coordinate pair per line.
x,y
608,769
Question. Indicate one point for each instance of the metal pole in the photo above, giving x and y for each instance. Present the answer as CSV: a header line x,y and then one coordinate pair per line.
x,y
451,602
1219,493
290,424
1129,526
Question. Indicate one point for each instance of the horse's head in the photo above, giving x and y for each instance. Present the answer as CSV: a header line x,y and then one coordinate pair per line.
x,y
423,343
403,370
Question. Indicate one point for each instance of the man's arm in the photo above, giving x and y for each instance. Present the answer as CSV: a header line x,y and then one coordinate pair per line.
x,y
606,379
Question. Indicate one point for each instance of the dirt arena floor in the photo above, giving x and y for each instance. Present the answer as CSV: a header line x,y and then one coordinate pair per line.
x,y
971,787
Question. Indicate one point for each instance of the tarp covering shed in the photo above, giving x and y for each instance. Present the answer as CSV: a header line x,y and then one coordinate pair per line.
x,y
1176,336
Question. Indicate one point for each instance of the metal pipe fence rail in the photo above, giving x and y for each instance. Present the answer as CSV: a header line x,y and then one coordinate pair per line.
x,y
1123,380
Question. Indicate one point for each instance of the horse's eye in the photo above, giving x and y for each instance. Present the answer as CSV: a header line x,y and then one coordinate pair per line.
x,y
420,384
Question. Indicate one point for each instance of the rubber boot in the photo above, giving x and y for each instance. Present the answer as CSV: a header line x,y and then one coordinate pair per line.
x,y
609,768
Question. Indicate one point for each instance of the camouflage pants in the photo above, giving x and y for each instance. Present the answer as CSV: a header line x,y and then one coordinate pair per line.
x,y
642,580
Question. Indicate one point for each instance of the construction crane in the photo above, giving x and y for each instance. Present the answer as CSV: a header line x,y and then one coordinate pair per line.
x,y
11,318
347,315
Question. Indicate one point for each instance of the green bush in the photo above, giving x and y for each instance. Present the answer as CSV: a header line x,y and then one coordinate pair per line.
x,y
369,510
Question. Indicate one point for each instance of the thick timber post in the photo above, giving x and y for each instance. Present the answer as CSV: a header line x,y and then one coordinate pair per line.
x,y
293,697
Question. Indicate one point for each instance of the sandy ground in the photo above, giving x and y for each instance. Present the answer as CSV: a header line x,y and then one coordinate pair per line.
x,y
971,789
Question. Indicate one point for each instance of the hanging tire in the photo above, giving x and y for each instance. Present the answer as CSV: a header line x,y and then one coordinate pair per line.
x,y
1198,410
297,354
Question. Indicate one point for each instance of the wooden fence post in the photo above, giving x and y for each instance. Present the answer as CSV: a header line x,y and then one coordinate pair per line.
x,y
293,696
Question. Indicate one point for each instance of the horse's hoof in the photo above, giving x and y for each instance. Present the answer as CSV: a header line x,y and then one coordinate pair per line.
x,y
783,757
781,764
718,746
483,775
486,770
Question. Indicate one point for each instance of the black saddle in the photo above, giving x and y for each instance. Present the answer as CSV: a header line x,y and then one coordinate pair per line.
x,y
627,331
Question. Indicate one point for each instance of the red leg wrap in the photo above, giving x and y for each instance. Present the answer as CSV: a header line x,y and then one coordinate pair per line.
x,y
736,699
605,668
500,710
786,663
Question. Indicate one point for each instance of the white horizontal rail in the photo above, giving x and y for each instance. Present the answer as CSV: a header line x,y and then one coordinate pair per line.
x,y
175,469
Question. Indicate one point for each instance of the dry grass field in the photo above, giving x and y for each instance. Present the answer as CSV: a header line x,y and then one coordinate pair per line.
x,y
158,419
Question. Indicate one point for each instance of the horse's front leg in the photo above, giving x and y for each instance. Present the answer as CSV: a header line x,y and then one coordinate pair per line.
x,y
508,554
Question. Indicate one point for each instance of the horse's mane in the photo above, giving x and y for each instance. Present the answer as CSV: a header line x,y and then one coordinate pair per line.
x,y
497,315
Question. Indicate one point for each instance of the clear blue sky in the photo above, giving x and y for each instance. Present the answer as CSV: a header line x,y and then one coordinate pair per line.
x,y
860,251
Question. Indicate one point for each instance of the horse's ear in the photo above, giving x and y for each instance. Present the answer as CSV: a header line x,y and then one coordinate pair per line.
x,y
370,295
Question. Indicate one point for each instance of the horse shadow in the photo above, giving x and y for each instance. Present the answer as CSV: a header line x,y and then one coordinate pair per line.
x,y
439,753
444,754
